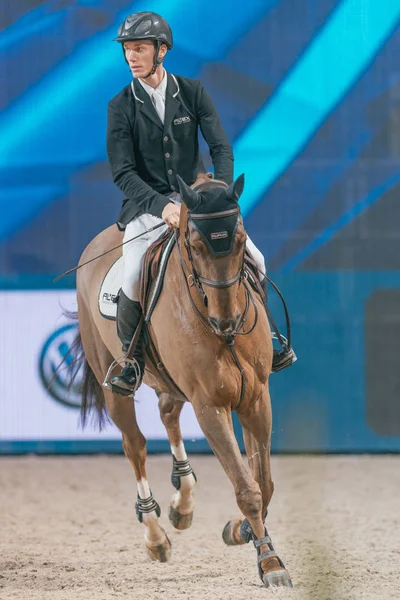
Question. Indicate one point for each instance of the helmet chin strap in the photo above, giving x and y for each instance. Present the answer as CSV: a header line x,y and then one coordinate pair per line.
x,y
154,69
157,61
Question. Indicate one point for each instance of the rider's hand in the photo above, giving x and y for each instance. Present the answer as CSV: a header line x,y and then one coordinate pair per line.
x,y
171,215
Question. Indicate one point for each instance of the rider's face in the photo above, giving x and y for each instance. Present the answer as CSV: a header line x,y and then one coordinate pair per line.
x,y
140,56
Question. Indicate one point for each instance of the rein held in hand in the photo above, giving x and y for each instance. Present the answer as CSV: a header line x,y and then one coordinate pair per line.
x,y
107,252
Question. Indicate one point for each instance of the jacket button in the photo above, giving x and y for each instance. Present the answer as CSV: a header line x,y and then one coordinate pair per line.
x,y
166,138
169,171
173,188
167,155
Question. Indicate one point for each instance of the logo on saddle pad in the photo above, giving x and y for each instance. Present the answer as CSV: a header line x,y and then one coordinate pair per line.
x,y
219,235
109,297
181,120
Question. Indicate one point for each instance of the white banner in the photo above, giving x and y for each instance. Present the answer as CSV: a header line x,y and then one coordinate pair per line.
x,y
34,336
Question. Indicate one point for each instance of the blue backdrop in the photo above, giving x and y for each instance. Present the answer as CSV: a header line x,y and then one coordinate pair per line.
x,y
309,94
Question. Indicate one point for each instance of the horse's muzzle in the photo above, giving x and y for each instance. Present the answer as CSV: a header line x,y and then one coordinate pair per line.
x,y
224,326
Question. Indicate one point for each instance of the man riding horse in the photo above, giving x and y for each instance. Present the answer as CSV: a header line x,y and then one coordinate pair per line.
x,y
152,136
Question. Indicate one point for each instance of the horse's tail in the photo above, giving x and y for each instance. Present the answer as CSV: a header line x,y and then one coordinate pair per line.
x,y
91,390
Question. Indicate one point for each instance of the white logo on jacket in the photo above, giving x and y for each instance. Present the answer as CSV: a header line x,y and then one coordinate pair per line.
x,y
181,120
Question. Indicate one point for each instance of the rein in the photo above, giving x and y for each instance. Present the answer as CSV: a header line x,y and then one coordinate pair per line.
x,y
107,252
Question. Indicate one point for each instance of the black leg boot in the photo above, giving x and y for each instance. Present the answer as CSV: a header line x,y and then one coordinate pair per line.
x,y
281,358
128,317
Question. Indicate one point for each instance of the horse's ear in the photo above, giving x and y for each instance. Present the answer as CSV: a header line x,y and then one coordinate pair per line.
x,y
235,190
189,196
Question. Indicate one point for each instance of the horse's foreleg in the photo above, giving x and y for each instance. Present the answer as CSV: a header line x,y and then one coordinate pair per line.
x,y
257,425
183,477
256,420
122,412
216,423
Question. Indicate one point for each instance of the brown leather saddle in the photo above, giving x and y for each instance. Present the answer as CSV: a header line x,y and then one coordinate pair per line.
x,y
154,265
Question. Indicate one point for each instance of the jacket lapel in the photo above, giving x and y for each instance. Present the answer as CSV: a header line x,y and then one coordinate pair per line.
x,y
171,101
146,106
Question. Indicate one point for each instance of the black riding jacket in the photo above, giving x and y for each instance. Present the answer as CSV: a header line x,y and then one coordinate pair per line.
x,y
145,155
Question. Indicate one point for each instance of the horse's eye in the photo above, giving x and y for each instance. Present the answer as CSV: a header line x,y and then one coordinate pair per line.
x,y
196,251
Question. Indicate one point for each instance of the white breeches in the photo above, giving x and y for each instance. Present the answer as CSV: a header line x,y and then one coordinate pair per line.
x,y
135,251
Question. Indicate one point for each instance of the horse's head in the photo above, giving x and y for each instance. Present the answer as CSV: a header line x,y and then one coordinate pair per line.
x,y
214,237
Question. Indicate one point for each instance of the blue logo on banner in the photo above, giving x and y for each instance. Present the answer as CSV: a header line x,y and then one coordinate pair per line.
x,y
57,382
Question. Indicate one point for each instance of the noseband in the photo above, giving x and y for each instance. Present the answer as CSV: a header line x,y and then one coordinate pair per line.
x,y
195,277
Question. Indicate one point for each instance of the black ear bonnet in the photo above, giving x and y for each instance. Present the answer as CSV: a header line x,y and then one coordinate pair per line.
x,y
214,212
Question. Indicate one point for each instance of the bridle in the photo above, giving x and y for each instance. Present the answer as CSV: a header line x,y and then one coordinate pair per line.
x,y
198,280
194,279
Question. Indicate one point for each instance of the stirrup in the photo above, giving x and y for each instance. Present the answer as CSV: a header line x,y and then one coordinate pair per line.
x,y
282,359
286,356
121,361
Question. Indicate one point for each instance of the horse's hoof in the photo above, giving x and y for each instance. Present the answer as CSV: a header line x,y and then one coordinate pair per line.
x,y
228,534
160,552
179,521
277,579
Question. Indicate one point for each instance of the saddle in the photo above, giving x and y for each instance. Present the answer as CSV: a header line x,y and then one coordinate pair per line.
x,y
151,283
154,263
153,270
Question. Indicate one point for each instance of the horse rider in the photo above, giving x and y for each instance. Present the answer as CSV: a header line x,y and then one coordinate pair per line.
x,y
152,135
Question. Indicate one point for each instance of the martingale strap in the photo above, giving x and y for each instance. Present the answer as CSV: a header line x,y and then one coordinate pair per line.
x,y
242,373
145,506
180,468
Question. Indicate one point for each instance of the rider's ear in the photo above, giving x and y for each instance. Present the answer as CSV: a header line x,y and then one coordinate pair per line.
x,y
235,190
189,196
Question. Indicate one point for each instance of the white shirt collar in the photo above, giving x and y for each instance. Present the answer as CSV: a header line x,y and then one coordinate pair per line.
x,y
161,89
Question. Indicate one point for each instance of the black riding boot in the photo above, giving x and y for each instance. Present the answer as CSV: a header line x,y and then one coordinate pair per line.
x,y
128,317
281,358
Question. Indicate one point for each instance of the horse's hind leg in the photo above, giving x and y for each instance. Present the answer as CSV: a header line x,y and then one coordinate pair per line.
x,y
122,411
183,477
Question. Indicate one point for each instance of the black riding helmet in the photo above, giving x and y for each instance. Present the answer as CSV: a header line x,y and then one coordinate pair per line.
x,y
146,26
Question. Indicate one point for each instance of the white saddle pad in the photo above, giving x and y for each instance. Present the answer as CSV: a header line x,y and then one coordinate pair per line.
x,y
109,289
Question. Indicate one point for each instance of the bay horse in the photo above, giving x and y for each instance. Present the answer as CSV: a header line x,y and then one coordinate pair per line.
x,y
213,337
